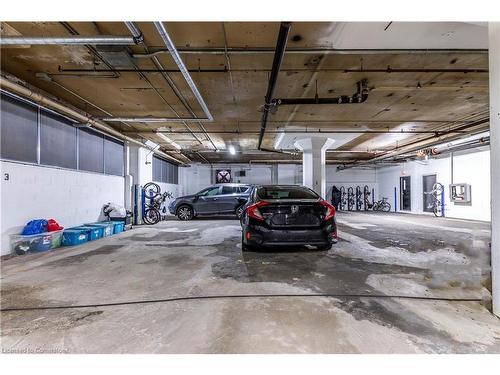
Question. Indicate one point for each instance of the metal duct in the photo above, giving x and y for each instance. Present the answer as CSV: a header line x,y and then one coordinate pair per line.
x,y
67,40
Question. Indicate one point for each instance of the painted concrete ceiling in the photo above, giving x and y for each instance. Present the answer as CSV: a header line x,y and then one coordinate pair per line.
x,y
408,92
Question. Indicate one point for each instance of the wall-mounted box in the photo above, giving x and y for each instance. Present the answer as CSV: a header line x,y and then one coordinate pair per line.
x,y
460,193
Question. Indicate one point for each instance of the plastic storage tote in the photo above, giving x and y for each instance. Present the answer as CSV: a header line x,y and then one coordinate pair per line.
x,y
118,226
93,233
72,237
107,228
21,244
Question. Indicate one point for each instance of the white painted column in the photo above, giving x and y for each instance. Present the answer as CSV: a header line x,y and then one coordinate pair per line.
x,y
314,162
274,174
494,62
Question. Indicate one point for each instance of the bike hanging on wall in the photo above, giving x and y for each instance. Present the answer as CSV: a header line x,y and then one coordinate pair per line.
x,y
359,199
153,203
366,197
350,199
343,199
437,203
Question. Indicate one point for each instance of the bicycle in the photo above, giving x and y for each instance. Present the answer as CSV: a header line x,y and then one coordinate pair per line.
x,y
350,199
152,213
343,199
382,205
437,204
366,195
359,201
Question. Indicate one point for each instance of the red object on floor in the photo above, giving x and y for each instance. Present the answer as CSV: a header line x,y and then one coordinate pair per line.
x,y
53,225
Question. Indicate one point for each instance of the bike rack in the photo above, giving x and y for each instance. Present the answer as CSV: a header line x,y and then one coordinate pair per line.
x,y
366,198
342,199
350,199
359,202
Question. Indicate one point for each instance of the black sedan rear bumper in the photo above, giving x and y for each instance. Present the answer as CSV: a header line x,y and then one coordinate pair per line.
x,y
257,235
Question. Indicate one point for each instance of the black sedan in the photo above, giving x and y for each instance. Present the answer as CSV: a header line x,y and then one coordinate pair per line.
x,y
279,215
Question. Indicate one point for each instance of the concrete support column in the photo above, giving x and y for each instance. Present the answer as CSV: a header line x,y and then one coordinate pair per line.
x,y
494,62
314,162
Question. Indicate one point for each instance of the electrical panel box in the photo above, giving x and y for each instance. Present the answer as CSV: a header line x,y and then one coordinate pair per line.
x,y
460,193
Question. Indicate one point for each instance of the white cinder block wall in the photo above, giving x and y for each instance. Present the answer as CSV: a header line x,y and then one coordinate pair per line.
x,y
70,197
471,167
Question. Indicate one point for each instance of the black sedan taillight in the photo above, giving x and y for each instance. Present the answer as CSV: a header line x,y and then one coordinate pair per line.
x,y
253,210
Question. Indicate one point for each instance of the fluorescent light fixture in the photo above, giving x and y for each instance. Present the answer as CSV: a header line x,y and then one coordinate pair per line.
x,y
232,150
168,140
151,144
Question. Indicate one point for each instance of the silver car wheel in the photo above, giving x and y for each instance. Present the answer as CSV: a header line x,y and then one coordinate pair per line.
x,y
185,213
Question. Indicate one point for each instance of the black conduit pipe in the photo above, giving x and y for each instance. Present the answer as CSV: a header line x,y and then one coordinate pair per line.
x,y
279,54
359,97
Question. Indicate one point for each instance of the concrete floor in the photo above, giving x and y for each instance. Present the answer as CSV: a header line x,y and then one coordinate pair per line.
x,y
390,254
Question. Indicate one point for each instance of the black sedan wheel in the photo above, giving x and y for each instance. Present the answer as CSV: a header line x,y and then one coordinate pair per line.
x,y
185,213
239,211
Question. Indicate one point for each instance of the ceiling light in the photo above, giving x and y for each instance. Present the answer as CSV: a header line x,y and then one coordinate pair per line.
x,y
170,141
151,144
232,150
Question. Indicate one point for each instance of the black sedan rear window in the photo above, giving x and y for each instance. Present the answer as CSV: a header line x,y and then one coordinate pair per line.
x,y
285,192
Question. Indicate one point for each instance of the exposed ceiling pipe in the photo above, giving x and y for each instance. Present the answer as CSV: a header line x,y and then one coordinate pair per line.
x,y
316,50
137,32
359,97
279,54
8,84
154,119
476,127
306,131
227,69
415,70
178,60
68,40
175,55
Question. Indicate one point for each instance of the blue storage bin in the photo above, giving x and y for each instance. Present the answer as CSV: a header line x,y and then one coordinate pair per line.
x,y
93,233
107,229
72,237
118,226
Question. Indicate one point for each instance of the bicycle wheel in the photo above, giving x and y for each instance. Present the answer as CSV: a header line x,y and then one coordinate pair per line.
x,y
437,210
375,206
386,207
151,190
151,216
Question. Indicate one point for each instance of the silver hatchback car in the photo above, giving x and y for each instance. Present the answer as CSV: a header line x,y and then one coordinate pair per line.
x,y
220,199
